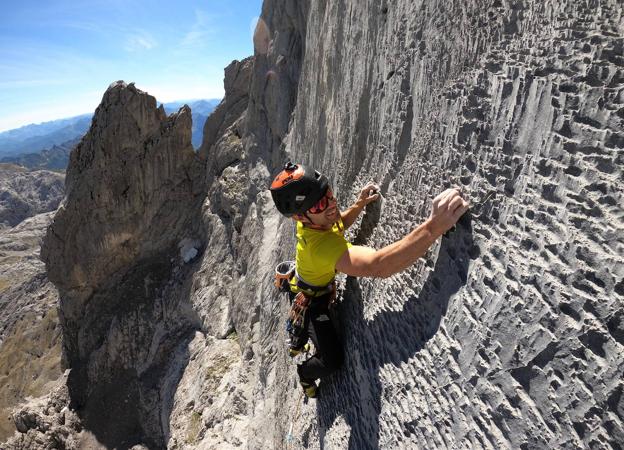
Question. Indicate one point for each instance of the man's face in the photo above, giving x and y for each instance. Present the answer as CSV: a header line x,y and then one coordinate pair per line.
x,y
325,213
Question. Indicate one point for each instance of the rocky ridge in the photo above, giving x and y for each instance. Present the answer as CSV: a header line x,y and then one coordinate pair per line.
x,y
509,333
131,181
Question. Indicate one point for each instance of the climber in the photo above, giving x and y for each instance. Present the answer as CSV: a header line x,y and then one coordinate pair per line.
x,y
304,195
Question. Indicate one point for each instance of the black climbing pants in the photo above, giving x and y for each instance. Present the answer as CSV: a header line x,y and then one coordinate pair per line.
x,y
320,328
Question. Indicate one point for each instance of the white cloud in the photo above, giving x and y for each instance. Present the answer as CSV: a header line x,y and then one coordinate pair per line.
x,y
140,41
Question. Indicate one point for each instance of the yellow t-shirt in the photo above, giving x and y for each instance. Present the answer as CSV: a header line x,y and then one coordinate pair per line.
x,y
318,251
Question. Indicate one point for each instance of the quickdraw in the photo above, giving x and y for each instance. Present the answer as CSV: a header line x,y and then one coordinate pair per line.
x,y
295,324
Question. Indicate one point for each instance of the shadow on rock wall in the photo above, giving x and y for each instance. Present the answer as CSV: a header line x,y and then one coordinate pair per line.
x,y
355,393
140,326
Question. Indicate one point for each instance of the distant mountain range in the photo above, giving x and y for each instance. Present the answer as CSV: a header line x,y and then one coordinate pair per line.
x,y
54,158
36,137
47,145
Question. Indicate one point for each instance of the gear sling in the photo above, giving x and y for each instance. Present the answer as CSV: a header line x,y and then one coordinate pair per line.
x,y
300,302
309,318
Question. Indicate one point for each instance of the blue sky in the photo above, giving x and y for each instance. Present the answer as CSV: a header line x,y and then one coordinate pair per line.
x,y
57,57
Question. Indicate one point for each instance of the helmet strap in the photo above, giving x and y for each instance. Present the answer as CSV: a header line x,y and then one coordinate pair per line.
x,y
308,223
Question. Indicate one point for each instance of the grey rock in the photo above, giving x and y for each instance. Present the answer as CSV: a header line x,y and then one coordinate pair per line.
x,y
221,145
201,110
128,171
25,193
40,425
30,333
503,340
124,286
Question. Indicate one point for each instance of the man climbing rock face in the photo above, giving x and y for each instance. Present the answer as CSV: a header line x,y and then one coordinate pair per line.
x,y
305,195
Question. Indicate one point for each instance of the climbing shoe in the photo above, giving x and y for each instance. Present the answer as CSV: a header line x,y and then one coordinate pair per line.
x,y
309,388
292,352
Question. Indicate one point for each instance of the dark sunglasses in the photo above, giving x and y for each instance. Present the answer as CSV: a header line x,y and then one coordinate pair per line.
x,y
323,203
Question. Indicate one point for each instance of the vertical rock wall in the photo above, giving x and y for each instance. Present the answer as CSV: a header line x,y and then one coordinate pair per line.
x,y
132,198
233,291
510,333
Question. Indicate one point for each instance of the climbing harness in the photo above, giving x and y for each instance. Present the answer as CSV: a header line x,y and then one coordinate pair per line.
x,y
312,290
287,279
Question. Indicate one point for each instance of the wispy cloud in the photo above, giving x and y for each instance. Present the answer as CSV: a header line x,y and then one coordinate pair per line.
x,y
34,64
17,84
139,41
203,27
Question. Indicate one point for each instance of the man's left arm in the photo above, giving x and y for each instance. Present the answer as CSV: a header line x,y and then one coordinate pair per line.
x,y
368,194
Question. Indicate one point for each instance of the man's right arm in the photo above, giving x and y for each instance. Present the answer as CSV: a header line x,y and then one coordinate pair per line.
x,y
359,261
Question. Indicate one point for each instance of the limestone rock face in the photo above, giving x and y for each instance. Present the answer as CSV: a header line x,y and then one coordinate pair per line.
x,y
25,193
510,334
112,251
47,422
232,291
218,148
123,180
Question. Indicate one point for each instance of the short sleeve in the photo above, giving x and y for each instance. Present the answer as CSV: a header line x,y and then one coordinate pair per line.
x,y
330,250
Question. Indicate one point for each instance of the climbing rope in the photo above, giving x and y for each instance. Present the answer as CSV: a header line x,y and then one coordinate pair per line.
x,y
289,437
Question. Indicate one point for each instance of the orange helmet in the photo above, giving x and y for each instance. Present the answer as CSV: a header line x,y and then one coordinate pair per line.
x,y
297,188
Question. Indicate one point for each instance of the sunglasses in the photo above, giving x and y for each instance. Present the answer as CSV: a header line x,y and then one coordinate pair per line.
x,y
323,203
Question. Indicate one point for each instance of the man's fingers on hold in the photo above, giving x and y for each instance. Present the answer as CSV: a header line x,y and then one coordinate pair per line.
x,y
444,198
461,210
455,203
453,192
443,204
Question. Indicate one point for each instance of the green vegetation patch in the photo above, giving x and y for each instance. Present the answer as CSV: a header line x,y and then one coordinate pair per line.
x,y
30,359
194,428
